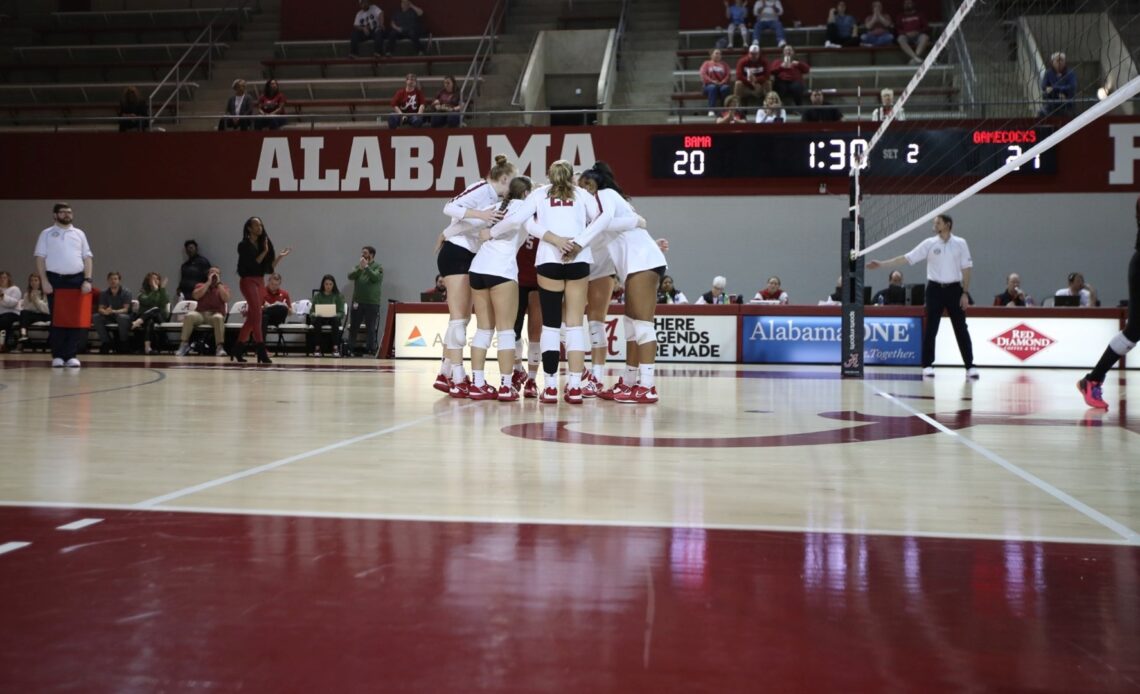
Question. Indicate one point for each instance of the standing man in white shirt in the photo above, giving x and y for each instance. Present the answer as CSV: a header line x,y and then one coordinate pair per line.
x,y
947,287
63,261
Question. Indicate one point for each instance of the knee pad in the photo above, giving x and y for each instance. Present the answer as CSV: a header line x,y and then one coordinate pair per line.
x,y
551,303
576,338
482,339
644,332
597,334
630,326
549,340
1121,344
456,335
506,340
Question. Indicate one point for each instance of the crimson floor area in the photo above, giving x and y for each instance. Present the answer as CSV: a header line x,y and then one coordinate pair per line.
x,y
152,601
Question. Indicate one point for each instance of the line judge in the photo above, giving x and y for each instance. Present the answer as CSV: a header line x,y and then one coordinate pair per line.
x,y
947,286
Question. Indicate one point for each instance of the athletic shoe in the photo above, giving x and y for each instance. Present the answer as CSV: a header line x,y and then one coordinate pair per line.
x,y
508,394
549,395
573,396
518,379
221,352
611,393
1091,391
530,389
589,389
73,363
972,374
781,44
483,392
928,372
183,351
638,395
442,383
460,390
56,363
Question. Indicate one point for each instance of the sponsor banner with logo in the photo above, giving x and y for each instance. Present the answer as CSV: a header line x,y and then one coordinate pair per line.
x,y
679,338
1021,341
784,339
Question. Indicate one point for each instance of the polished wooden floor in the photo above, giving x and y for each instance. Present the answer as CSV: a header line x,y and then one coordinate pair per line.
x,y
338,525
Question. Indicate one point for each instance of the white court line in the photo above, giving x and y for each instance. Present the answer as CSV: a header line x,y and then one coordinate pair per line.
x,y
80,524
1130,535
186,491
605,523
12,546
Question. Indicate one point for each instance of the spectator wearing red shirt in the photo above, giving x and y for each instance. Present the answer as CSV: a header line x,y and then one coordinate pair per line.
x,y
789,77
275,303
732,113
716,78
879,27
408,104
772,292
751,77
914,35
271,106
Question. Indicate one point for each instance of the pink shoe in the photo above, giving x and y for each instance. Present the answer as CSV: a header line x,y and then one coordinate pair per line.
x,y
611,393
518,379
549,395
442,383
530,390
483,392
638,396
573,396
460,390
1092,393
508,394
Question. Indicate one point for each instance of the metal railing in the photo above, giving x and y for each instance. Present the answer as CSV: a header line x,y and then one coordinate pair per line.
x,y
483,53
962,55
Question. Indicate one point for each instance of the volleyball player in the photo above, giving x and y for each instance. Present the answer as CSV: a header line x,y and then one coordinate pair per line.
x,y
640,264
1122,342
454,261
529,309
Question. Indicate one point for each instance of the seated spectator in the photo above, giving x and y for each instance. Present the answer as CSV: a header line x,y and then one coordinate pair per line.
x,y
407,23
445,108
1013,295
751,77
134,113
768,13
736,12
669,294
731,113
271,107
895,292
772,292
715,80
837,295
407,104
842,30
239,108
887,106
773,111
716,295
879,29
195,270
275,304
819,111
1078,287
114,310
914,34
34,308
153,306
367,26
212,297
789,74
327,295
438,292
1058,88
10,296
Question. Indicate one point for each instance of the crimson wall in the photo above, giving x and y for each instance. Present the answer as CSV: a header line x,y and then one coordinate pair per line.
x,y
303,20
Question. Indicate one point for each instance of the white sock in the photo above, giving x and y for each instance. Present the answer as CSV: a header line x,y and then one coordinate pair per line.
x,y
457,373
519,367
532,371
552,381
506,381
477,376
646,372
445,366
573,380
630,376
598,370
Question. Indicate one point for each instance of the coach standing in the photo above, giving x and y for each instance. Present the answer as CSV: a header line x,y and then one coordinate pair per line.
x,y
63,261
947,286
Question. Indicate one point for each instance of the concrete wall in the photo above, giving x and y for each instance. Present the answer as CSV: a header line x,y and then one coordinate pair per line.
x,y
746,239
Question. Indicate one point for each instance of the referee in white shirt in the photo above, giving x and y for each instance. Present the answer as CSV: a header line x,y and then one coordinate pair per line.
x,y
63,261
947,284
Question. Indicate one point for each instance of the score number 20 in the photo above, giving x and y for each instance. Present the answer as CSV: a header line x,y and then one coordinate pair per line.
x,y
689,162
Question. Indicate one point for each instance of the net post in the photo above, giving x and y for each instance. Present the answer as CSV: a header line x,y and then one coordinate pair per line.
x,y
851,322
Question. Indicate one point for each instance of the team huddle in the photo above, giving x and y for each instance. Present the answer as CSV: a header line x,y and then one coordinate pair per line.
x,y
548,254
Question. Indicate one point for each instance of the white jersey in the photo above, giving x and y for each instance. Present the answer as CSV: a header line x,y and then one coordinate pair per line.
x,y
623,219
498,256
476,196
635,251
569,219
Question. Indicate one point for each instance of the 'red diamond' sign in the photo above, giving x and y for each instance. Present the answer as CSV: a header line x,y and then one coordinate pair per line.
x,y
1022,341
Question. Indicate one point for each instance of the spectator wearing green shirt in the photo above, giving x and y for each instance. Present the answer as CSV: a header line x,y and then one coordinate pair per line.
x,y
327,295
366,276
154,303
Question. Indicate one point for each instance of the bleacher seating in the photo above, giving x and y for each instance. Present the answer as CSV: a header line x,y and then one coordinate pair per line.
x,y
339,48
144,17
93,71
394,66
82,53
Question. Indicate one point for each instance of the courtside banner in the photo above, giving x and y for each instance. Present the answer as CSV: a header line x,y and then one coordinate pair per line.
x,y
887,341
1022,341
